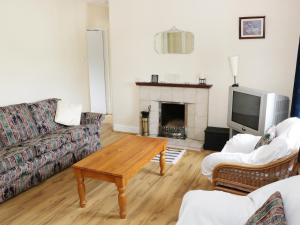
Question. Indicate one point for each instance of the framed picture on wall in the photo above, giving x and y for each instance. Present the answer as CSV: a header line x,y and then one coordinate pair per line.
x,y
252,27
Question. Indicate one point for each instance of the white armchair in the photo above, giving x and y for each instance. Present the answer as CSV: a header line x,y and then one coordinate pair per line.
x,y
239,168
221,208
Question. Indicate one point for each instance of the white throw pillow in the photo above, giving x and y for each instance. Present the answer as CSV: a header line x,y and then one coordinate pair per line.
x,y
211,161
242,143
284,126
277,149
290,130
68,114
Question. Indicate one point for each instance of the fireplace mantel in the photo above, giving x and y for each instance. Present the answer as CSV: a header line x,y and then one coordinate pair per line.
x,y
183,85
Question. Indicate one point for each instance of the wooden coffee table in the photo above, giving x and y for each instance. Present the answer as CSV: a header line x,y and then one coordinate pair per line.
x,y
118,162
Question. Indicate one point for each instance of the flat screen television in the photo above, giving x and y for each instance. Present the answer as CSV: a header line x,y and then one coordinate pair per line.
x,y
254,111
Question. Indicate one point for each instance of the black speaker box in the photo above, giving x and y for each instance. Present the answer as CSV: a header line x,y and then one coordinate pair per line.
x,y
215,138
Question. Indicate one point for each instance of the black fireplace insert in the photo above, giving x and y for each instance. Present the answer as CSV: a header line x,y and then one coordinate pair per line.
x,y
172,120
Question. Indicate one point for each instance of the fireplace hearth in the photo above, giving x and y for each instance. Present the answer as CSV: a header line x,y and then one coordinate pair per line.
x,y
172,120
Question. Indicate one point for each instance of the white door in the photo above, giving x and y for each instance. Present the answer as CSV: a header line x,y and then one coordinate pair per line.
x,y
96,70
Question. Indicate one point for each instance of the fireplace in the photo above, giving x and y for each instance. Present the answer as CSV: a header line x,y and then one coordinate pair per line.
x,y
194,99
172,120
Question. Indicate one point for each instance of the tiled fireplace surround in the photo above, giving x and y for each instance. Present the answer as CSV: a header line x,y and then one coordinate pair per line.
x,y
196,100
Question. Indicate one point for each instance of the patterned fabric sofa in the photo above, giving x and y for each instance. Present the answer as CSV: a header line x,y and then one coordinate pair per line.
x,y
33,147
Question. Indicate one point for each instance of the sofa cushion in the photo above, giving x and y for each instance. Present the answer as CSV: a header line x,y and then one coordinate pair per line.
x,y
79,132
43,113
16,125
13,156
91,118
25,181
55,155
16,173
270,213
44,149
15,187
48,142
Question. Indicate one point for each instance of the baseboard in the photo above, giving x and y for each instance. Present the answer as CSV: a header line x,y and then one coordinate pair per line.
x,y
124,128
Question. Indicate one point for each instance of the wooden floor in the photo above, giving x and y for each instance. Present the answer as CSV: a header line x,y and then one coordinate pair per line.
x,y
151,199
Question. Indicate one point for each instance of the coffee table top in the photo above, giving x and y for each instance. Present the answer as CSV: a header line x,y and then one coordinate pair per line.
x,y
123,157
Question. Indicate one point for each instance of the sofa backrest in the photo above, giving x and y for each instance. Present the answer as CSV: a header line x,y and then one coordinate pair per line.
x,y
16,125
43,112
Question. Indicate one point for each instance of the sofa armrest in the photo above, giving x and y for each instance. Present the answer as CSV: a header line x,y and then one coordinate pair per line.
x,y
91,118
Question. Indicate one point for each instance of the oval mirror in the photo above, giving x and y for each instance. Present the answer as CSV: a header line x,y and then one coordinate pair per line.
x,y
174,41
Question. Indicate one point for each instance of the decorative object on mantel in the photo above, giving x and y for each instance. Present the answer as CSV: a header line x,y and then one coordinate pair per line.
x,y
202,80
154,78
234,64
252,27
184,85
145,121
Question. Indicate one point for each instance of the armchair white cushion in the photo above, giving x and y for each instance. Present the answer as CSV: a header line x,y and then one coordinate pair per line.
x,y
277,149
290,130
209,162
221,208
241,143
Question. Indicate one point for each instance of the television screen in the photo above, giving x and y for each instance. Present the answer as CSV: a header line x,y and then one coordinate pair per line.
x,y
245,109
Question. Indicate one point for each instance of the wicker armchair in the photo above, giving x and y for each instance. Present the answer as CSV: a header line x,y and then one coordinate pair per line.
x,y
244,178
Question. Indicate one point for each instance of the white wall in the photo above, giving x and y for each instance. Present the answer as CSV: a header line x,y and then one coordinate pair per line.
x,y
265,64
97,16
43,51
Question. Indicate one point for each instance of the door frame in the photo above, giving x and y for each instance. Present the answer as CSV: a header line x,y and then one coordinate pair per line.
x,y
106,67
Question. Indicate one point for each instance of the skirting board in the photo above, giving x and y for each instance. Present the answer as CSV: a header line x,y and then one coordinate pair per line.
x,y
124,128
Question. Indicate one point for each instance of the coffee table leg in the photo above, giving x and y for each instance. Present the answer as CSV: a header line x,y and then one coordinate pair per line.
x,y
81,187
162,161
121,185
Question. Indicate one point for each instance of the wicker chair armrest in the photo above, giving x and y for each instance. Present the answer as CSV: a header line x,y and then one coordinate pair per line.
x,y
91,118
244,166
249,177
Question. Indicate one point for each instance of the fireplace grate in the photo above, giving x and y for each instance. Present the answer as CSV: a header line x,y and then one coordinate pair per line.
x,y
173,132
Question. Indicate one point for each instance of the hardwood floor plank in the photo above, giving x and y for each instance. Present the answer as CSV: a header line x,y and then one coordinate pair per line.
x,y
152,199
